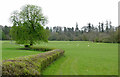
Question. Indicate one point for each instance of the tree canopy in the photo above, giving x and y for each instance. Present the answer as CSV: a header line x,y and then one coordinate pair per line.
x,y
28,25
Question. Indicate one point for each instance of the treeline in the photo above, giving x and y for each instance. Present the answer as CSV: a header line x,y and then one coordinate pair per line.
x,y
5,32
104,32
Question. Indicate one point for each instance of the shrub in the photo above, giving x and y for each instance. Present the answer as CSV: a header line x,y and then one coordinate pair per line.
x,y
41,48
30,65
37,48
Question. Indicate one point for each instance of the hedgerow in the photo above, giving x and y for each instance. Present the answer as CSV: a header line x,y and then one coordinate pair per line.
x,y
41,48
37,48
30,65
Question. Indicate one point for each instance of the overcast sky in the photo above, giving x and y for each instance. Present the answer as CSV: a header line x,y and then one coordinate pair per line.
x,y
66,12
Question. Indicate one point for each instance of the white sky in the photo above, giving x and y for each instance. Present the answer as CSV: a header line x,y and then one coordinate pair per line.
x,y
66,12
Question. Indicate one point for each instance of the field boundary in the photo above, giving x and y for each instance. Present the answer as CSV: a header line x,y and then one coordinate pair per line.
x,y
30,65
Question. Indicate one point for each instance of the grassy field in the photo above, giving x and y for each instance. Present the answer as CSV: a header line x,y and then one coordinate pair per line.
x,y
81,58
11,50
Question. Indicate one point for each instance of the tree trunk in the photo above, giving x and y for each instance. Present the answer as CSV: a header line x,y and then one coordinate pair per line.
x,y
31,44
27,46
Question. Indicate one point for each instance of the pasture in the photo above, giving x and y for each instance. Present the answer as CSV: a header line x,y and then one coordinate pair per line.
x,y
80,57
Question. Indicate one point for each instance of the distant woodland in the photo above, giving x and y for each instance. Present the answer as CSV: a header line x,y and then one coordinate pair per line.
x,y
103,32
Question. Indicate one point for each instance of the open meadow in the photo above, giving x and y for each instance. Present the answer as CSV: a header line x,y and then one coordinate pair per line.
x,y
80,57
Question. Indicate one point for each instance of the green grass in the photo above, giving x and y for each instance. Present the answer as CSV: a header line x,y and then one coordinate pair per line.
x,y
79,59
11,50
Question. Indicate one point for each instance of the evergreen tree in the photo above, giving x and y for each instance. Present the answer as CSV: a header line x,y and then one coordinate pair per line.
x,y
89,27
76,29
99,28
107,26
102,27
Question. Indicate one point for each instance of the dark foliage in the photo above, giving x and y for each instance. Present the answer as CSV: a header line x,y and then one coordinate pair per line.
x,y
5,32
104,32
35,48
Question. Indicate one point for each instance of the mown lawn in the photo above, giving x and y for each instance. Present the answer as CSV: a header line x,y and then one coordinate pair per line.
x,y
81,58
84,58
11,50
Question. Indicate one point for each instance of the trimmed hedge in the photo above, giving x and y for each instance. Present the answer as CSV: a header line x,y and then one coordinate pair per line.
x,y
40,48
37,48
30,65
